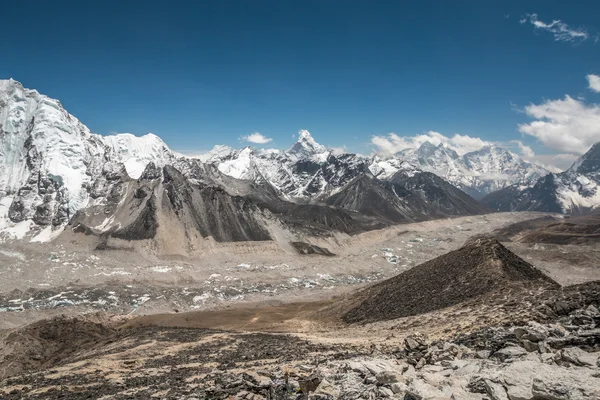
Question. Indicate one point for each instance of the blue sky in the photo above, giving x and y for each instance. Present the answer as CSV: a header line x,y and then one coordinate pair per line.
x,y
209,72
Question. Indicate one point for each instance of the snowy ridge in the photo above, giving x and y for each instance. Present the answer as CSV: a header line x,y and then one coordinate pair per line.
x,y
478,172
574,191
308,170
49,160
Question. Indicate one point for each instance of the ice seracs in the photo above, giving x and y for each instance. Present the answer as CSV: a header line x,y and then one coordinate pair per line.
x,y
49,160
135,152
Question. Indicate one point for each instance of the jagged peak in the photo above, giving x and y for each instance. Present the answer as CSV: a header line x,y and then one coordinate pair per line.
x,y
306,144
589,162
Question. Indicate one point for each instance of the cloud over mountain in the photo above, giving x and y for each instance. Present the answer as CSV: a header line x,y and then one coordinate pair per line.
x,y
257,138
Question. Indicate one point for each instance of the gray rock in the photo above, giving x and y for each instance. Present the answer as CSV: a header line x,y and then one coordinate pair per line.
x,y
412,396
519,332
411,344
385,392
495,390
399,388
543,347
510,352
519,376
387,377
577,356
327,389
547,358
591,310
560,389
310,384
530,346
370,380
535,337
483,354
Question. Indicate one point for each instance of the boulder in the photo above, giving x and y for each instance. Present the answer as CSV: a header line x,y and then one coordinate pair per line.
x,y
558,389
550,380
310,384
577,356
495,390
530,346
399,387
387,377
510,352
327,389
385,392
411,344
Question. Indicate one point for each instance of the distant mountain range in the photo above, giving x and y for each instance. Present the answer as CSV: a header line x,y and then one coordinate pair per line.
x,y
574,191
58,176
309,170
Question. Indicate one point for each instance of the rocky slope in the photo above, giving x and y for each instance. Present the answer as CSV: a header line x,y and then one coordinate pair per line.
x,y
574,191
479,268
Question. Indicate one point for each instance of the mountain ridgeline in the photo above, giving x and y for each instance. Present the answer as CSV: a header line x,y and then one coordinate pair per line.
x,y
58,178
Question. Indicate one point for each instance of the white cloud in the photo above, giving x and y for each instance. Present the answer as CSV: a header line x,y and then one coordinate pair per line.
x,y
554,162
566,125
336,151
526,151
257,138
393,143
594,82
561,31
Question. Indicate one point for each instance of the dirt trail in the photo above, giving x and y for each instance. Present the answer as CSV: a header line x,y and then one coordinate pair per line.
x,y
293,317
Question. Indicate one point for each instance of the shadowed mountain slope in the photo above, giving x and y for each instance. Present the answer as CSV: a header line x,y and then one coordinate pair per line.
x,y
478,268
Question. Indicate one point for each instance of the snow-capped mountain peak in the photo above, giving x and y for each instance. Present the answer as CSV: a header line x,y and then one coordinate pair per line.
x,y
589,162
306,145
478,172
135,152
573,191
51,165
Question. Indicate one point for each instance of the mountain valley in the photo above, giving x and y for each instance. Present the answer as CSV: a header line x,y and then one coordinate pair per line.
x,y
129,271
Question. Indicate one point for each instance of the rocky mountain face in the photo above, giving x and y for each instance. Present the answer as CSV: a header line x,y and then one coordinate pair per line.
x,y
573,191
55,172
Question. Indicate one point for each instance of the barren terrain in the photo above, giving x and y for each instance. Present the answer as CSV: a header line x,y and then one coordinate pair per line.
x,y
255,321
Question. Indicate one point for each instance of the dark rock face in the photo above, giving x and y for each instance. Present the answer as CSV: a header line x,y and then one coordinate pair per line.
x,y
151,172
371,197
480,267
540,197
16,211
590,164
211,210
571,191
307,248
405,198
438,197
143,227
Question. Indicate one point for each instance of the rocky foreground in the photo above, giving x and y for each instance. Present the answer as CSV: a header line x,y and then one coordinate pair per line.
x,y
476,323
541,361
